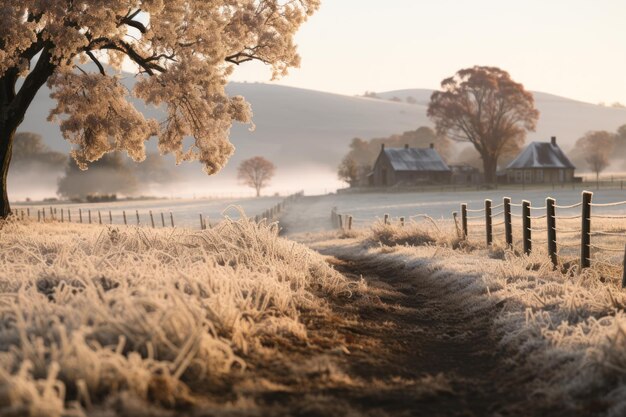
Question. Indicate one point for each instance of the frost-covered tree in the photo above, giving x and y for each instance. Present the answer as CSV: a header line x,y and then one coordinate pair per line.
x,y
181,51
256,173
485,107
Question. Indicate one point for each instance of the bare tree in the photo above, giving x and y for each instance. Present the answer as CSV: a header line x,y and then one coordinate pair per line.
x,y
182,53
256,173
596,148
484,106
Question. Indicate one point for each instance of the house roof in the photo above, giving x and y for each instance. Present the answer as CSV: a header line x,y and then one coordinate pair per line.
x,y
415,159
541,155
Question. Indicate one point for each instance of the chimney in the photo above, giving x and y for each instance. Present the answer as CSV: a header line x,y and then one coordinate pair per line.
x,y
382,147
432,146
553,140
406,146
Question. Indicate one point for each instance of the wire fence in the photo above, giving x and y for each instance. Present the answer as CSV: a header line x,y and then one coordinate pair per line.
x,y
552,228
135,217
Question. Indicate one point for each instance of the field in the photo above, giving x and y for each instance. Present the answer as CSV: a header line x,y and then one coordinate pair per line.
x,y
186,212
382,320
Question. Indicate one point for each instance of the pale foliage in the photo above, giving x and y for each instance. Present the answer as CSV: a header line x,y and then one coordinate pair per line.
x,y
91,313
183,52
256,172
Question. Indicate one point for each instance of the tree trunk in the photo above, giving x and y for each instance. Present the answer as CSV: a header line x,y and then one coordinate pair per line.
x,y
490,165
7,132
258,192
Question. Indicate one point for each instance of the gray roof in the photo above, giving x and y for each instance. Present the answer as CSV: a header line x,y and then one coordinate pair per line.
x,y
415,159
541,155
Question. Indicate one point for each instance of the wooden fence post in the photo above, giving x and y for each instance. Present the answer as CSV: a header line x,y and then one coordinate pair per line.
x,y
39,215
508,226
402,221
151,219
551,219
349,222
528,244
585,239
172,218
488,222
62,219
89,216
69,215
340,221
162,219
201,222
137,214
28,211
464,220
110,217
80,215
99,217
125,220
386,219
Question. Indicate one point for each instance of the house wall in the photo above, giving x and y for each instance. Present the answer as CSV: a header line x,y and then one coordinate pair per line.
x,y
383,173
540,175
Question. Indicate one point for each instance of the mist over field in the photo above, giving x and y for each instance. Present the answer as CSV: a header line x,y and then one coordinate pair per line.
x,y
306,133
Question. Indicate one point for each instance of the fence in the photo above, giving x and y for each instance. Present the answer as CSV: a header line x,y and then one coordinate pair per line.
x,y
93,216
492,216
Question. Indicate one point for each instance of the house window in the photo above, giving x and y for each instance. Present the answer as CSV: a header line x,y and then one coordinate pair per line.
x,y
518,177
528,176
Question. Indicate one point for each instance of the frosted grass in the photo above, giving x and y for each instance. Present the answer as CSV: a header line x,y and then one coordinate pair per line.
x,y
91,313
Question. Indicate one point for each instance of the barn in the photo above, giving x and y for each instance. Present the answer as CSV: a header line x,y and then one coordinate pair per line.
x,y
541,163
409,167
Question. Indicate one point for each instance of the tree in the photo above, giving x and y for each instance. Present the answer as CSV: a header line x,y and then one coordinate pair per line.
x,y
484,106
29,151
109,175
596,148
256,173
182,53
349,171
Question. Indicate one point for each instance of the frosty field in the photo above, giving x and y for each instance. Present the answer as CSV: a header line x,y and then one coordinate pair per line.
x,y
383,320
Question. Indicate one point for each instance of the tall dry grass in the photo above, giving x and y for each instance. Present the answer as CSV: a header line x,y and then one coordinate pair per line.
x,y
90,314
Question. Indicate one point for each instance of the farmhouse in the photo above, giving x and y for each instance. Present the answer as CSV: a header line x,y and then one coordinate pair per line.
x,y
541,162
409,166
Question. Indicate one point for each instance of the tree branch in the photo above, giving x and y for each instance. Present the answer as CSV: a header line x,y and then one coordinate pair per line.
x,y
97,62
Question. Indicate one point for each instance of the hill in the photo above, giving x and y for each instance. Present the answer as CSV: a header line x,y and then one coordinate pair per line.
x,y
306,133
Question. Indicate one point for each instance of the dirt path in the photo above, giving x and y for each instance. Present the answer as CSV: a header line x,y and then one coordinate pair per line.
x,y
406,352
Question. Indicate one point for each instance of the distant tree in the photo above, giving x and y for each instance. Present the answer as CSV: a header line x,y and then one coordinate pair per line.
x,y
484,106
181,52
256,173
349,171
371,94
596,148
107,176
396,99
411,100
29,150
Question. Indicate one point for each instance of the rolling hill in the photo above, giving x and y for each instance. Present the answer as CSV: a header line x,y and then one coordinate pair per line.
x,y
306,133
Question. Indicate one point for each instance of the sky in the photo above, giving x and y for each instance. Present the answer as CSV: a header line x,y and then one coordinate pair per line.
x,y
574,48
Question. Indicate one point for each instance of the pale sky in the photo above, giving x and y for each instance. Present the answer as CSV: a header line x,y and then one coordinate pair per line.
x,y
573,48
